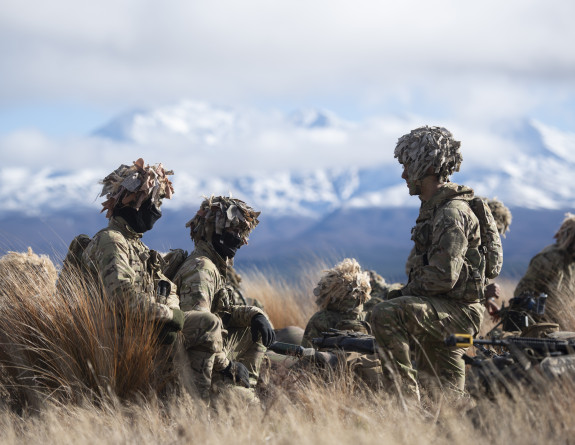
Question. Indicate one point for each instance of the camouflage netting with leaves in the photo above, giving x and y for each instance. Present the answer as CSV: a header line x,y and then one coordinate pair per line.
x,y
427,147
218,213
345,281
565,236
501,214
133,185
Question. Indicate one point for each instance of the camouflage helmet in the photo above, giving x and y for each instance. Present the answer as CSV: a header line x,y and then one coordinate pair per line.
x,y
133,185
501,214
218,213
427,147
346,281
565,236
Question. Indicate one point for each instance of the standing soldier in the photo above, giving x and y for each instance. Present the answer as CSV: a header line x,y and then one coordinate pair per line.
x,y
220,227
130,273
447,269
552,272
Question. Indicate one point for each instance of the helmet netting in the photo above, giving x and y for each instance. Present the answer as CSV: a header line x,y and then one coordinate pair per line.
x,y
565,236
133,185
427,147
345,281
218,213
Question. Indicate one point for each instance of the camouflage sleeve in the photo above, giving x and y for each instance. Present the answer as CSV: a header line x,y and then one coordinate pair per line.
x,y
197,286
446,256
315,326
221,362
410,261
241,316
109,256
542,275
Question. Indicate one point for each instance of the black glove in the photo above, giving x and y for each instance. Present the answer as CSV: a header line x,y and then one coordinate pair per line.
x,y
261,325
177,322
238,373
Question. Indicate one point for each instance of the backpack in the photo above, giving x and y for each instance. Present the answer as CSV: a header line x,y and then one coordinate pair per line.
x,y
73,260
490,239
172,262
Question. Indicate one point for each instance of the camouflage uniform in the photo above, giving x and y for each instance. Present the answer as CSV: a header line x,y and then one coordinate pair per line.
x,y
447,270
204,297
442,295
129,271
379,292
342,292
551,271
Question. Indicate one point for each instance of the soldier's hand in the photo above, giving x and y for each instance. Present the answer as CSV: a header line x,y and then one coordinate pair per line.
x,y
177,321
238,373
492,309
493,290
261,326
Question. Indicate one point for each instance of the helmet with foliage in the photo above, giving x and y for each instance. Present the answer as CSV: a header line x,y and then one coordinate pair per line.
x,y
344,288
218,213
565,236
501,214
429,147
131,186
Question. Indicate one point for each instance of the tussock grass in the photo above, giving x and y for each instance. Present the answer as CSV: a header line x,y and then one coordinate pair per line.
x,y
60,355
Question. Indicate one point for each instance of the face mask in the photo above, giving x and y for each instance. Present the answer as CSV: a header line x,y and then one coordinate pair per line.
x,y
414,187
140,220
226,244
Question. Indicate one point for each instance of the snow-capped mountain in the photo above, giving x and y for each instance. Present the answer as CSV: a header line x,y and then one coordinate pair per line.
x,y
315,176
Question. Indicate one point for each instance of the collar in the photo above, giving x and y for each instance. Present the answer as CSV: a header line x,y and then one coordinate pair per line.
x,y
118,223
203,248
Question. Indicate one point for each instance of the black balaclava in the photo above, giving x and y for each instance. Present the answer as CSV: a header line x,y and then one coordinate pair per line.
x,y
140,220
226,244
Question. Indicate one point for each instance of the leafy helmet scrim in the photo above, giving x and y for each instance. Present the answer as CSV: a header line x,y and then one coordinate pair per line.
x,y
345,282
218,213
501,214
427,147
133,185
565,236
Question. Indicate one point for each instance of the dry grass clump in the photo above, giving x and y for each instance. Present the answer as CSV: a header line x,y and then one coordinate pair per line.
x,y
69,343
91,382
286,303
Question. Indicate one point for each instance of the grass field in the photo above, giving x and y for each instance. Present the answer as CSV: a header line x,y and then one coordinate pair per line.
x,y
66,378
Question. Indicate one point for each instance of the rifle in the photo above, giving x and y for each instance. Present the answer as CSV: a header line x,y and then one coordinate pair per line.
x,y
348,341
528,346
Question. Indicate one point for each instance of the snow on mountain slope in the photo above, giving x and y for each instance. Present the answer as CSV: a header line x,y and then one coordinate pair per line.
x,y
534,169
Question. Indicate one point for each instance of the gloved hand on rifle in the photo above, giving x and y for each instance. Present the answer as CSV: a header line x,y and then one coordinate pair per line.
x,y
169,332
261,325
238,373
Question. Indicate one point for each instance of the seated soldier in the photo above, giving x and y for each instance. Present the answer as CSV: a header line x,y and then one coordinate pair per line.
x,y
552,272
219,228
341,293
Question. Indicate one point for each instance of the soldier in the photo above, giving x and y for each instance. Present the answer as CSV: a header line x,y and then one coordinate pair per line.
x,y
503,219
447,275
341,293
380,290
130,272
552,272
219,228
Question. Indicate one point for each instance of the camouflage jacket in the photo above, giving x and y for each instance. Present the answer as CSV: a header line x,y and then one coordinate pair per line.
x,y
446,261
130,272
551,271
201,281
326,319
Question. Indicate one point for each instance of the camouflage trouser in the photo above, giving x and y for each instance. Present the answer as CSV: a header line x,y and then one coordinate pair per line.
x,y
423,323
367,367
246,351
202,341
